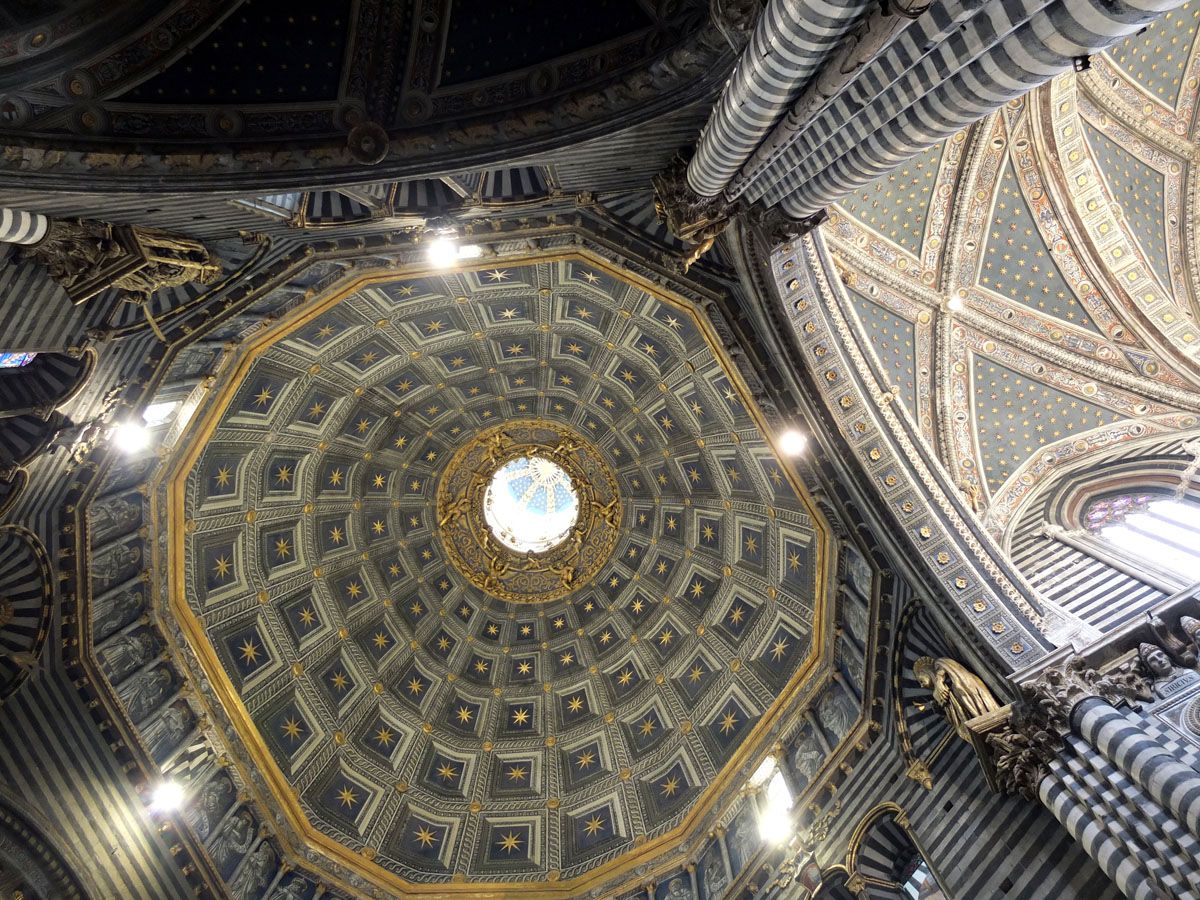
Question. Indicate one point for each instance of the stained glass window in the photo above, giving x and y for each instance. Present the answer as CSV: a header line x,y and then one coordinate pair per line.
x,y
530,504
1161,530
15,360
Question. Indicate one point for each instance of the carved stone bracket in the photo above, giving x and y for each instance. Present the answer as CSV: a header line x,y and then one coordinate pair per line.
x,y
691,218
776,228
1015,744
87,257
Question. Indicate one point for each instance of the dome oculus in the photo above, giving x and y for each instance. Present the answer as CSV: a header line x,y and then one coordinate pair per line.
x,y
530,504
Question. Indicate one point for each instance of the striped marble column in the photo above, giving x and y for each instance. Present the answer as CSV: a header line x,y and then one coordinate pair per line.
x,y
886,135
20,227
1111,854
789,43
1124,741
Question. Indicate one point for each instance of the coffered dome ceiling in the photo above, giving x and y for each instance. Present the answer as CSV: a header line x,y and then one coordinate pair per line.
x,y
410,723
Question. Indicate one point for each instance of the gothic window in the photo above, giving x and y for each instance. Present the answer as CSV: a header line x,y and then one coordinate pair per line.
x,y
15,360
1151,528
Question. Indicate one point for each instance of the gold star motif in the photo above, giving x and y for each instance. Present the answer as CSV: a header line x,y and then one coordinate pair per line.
x,y
779,649
464,715
335,477
697,588
708,533
594,826
697,673
794,561
728,723
670,786
435,326
509,842
222,567
425,837
515,349
575,704
508,313
516,773
524,668
752,545
367,358
583,312
339,680
223,476
736,614
447,772
605,637
624,677
520,716
264,396
283,474
665,637
307,618
381,639
283,548
574,347
362,426
481,666
443,643
585,759
292,727
353,589
415,686
336,535
458,362
324,331
591,277
647,726
497,274
346,796
566,659
377,526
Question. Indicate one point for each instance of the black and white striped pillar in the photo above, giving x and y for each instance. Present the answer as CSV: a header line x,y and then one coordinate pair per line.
x,y
20,227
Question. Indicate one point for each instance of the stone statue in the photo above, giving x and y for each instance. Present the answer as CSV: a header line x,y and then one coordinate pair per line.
x,y
960,694
808,760
1165,677
206,811
836,712
676,890
113,516
111,612
254,874
696,220
166,731
126,652
111,564
715,880
295,888
233,840
143,692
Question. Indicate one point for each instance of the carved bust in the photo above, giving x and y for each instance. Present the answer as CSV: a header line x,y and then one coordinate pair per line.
x,y
959,692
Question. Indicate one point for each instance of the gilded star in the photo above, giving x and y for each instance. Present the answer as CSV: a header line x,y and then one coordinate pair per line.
x,y
637,606
335,477
697,409
647,726
605,637
447,772
583,312
670,786
696,674
694,475
339,680
752,545
443,643
464,714
222,567
728,723
381,639
346,796
558,622
336,535
378,526
283,474
264,396
353,589
520,716
627,376
575,704
567,658
508,313
384,737
584,760
591,277
665,637
515,349
524,668
404,384
574,347
292,728
223,476
734,475
394,569
415,686
458,362
697,588
517,773
497,274
708,533
650,348
324,332
624,677
368,358
736,614
362,426
307,618
666,423
794,561
608,402
526,630
509,842
425,836
481,666
493,630
661,568
417,609
779,649
283,548
400,442
594,826
671,321
435,326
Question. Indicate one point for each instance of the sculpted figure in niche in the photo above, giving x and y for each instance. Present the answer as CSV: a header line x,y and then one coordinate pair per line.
x,y
1166,678
111,612
254,874
960,694
208,808
167,730
233,840
677,890
113,516
836,712
295,888
126,652
715,880
108,567
143,692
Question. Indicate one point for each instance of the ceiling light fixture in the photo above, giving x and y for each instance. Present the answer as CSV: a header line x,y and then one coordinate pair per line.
x,y
775,821
130,435
442,252
955,303
793,443
168,797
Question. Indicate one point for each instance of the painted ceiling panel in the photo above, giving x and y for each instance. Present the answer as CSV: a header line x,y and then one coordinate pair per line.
x,y
895,205
486,38
263,53
1155,57
1017,264
1140,189
1015,415
894,340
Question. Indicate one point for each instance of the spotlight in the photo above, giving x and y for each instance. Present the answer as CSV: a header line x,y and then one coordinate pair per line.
x,y
130,436
775,823
442,252
955,303
792,443
168,797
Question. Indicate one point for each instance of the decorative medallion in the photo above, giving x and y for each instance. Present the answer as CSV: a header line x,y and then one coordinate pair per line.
x,y
528,511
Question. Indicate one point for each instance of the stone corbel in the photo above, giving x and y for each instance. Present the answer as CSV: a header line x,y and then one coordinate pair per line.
x,y
693,219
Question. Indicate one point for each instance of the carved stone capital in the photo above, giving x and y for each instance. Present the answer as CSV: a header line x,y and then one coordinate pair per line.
x,y
776,228
693,219
919,772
